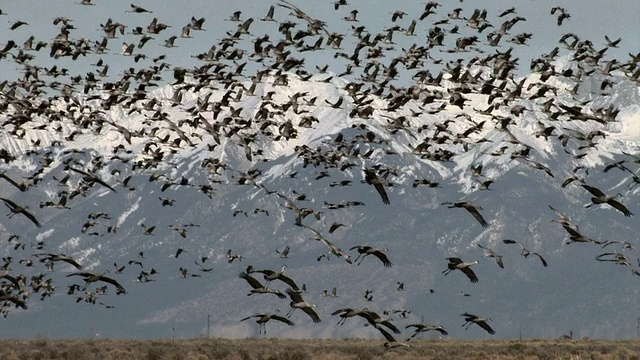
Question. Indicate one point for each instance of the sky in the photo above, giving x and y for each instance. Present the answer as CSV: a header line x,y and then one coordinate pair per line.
x,y
589,20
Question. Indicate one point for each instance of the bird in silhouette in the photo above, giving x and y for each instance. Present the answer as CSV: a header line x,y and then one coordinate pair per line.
x,y
264,318
297,302
472,209
456,263
372,179
601,198
18,209
480,321
525,252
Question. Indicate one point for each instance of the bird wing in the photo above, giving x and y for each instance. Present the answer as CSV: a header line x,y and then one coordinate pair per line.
x,y
295,296
371,178
383,257
113,282
251,280
288,281
499,261
470,274
623,209
283,319
386,335
312,314
249,317
544,262
486,326
454,260
69,260
33,219
593,190
476,214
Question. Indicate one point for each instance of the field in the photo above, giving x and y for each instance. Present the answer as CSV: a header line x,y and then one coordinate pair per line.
x,y
200,349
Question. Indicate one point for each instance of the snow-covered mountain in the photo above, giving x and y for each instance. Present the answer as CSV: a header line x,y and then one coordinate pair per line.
x,y
220,188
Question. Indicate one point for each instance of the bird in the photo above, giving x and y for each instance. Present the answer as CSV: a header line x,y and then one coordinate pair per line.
x,y
138,9
258,288
422,328
346,313
269,16
51,258
473,210
480,321
264,318
90,277
601,198
490,253
391,341
526,252
372,179
297,302
456,263
365,250
619,259
17,209
284,253
270,275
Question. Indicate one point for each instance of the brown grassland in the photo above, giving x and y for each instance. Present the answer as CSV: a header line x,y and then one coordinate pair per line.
x,y
201,349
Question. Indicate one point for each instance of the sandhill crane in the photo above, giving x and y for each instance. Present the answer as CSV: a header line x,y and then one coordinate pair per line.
x,y
284,253
364,251
375,320
347,313
525,252
231,257
269,16
91,178
619,259
601,198
625,244
51,258
332,248
372,179
576,236
17,209
480,321
297,302
264,318
456,263
567,336
422,328
258,288
4,297
391,341
270,275
473,210
490,253
90,277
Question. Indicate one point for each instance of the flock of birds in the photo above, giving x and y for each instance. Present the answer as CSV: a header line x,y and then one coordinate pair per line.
x,y
74,105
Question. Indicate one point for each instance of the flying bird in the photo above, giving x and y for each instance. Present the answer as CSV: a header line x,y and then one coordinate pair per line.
x,y
17,209
473,210
372,179
601,198
456,263
480,321
264,318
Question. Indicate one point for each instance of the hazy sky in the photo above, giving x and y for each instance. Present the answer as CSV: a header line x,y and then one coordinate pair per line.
x,y
589,20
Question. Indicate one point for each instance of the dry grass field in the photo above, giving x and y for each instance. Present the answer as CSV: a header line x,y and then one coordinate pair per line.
x,y
201,349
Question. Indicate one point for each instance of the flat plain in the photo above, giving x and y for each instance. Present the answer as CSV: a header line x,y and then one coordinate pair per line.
x,y
200,349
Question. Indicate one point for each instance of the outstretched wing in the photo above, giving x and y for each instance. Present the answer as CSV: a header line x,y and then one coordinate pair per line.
x,y
486,326
476,214
470,274
383,257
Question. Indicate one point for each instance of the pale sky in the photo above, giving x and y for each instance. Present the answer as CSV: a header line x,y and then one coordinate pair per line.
x,y
589,20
